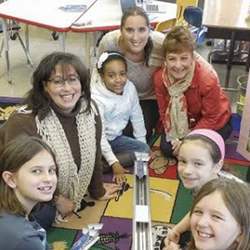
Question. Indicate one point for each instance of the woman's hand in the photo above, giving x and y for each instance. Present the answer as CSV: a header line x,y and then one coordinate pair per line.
x,y
175,146
119,173
153,155
111,191
64,205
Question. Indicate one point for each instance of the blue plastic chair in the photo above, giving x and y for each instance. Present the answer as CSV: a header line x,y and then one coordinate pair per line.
x,y
193,16
127,4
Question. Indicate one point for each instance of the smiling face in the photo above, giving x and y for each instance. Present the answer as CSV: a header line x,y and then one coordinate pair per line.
x,y
65,94
35,181
135,34
213,226
179,64
195,165
115,76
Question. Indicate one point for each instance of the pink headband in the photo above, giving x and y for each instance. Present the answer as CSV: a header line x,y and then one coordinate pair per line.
x,y
212,135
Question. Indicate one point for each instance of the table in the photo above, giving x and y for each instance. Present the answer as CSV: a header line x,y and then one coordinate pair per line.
x,y
47,14
227,19
42,13
105,15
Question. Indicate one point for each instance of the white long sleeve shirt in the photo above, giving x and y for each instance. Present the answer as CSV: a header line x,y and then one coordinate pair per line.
x,y
116,110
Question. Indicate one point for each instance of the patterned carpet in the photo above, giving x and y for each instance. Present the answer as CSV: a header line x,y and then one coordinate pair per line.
x,y
117,216
7,106
169,201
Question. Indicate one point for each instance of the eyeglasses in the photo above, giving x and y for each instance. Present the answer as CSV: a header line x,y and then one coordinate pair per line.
x,y
60,82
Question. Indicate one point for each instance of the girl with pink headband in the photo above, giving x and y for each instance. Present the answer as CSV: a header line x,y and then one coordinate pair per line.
x,y
200,160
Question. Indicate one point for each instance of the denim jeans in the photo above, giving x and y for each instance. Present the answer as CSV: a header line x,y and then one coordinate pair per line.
x,y
124,143
124,148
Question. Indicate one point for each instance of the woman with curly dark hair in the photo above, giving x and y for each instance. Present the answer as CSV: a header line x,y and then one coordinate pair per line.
x,y
60,111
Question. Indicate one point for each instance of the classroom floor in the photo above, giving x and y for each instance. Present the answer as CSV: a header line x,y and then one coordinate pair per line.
x,y
42,43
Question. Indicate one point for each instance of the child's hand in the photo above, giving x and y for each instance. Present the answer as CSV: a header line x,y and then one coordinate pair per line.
x,y
175,146
153,155
64,205
172,236
119,173
111,191
172,246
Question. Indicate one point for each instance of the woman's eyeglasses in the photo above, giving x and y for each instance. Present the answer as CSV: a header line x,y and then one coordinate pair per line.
x,y
60,82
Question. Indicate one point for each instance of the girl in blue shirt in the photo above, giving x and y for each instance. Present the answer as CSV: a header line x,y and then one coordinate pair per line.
x,y
27,176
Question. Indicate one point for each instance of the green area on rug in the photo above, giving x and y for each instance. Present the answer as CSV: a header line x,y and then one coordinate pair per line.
x,y
57,235
182,204
239,171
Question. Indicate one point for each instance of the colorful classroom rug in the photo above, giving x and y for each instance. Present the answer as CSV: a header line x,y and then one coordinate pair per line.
x,y
7,106
232,156
116,216
170,201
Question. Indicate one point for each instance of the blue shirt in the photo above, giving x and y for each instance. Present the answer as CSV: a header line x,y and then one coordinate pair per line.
x,y
18,233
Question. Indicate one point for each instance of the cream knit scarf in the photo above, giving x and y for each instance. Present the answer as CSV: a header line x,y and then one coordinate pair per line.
x,y
176,119
72,183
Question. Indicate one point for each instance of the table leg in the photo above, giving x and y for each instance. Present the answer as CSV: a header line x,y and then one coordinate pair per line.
x,y
6,48
87,49
26,45
230,59
62,36
92,48
1,48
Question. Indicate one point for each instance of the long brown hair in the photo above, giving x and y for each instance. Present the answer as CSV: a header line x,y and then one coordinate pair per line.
x,y
236,198
15,154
